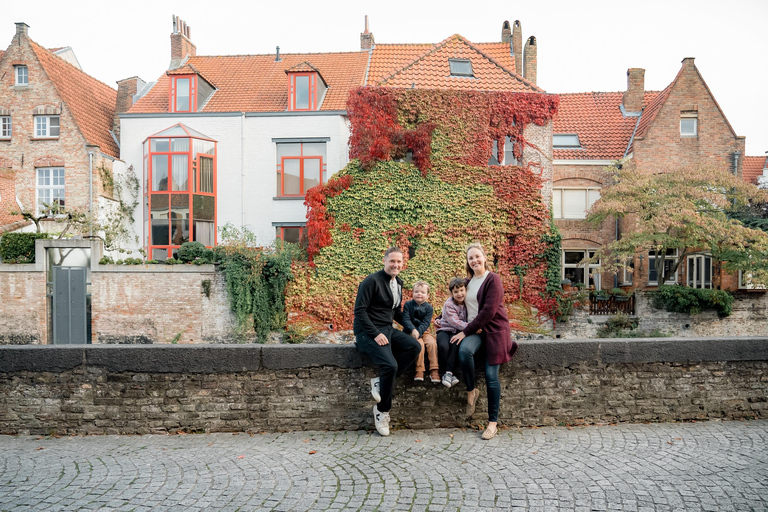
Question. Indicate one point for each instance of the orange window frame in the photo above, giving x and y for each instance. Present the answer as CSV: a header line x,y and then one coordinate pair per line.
x,y
173,90
292,97
302,159
281,231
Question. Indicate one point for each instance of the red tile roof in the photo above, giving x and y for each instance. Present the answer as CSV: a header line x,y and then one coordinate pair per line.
x,y
431,70
91,102
753,168
257,83
596,118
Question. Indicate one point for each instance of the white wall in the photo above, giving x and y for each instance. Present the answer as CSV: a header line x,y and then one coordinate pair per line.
x,y
246,160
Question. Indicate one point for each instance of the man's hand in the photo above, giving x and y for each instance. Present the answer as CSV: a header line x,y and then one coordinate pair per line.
x,y
381,339
458,337
415,334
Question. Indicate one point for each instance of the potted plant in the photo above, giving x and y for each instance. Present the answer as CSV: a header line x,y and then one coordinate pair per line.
x,y
601,295
580,286
619,295
566,283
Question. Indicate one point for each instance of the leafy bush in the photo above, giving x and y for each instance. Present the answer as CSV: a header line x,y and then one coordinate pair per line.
x,y
681,299
193,252
106,260
622,326
19,247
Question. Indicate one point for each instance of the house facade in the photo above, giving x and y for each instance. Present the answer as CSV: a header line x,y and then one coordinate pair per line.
x,y
56,140
683,125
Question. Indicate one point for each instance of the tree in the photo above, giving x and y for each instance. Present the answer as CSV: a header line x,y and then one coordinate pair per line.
x,y
685,209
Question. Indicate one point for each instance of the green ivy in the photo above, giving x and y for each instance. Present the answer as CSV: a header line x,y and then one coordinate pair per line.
x,y
19,247
682,299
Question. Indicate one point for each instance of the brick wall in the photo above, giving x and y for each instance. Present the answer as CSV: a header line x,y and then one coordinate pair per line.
x,y
139,390
577,234
23,313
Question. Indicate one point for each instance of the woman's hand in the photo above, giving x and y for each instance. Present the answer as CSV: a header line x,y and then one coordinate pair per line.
x,y
458,337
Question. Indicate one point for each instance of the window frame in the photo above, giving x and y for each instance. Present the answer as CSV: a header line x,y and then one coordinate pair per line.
x,y
281,228
689,116
312,103
745,285
561,215
173,93
6,128
692,263
454,71
62,199
280,167
591,270
48,126
565,136
652,265
17,74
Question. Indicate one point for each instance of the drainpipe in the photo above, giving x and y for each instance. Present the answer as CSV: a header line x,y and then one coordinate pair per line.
x,y
90,193
736,155
242,170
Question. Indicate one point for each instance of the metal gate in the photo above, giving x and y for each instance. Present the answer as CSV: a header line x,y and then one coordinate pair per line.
x,y
70,319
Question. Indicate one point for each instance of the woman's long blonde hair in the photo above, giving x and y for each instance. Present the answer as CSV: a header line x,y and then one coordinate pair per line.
x,y
479,247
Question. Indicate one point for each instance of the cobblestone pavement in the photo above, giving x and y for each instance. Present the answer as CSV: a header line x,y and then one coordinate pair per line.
x,y
713,466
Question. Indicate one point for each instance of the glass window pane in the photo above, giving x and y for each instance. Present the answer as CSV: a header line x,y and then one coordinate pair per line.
x,y
204,232
290,149
204,207
565,140
302,92
179,219
592,196
688,126
41,126
159,172
180,172
54,129
311,173
180,145
557,203
291,176
159,219
291,235
314,149
573,257
574,204
159,254
160,145
206,174
182,94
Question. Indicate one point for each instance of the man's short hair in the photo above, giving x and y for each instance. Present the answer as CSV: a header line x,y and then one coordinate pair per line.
x,y
391,250
421,283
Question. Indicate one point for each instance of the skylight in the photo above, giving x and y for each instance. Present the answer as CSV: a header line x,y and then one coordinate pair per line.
x,y
460,67
565,141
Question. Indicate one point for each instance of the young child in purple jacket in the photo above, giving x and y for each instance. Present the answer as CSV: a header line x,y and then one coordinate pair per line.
x,y
452,320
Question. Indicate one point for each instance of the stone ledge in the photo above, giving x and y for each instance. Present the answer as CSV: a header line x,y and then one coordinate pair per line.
x,y
243,358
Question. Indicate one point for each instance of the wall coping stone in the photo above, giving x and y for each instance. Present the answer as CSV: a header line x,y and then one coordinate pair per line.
x,y
250,357
19,267
157,268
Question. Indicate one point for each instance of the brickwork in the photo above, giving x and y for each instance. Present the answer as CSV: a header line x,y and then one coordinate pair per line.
x,y
577,234
539,137
92,392
23,306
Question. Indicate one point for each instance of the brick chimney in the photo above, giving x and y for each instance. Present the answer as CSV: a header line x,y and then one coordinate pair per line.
x,y
181,43
517,46
22,29
530,59
366,38
634,98
126,89
506,32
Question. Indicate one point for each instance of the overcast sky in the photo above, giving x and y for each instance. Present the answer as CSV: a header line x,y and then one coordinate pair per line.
x,y
582,45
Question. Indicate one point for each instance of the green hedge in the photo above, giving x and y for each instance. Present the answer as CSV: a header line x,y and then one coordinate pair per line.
x,y
681,299
19,247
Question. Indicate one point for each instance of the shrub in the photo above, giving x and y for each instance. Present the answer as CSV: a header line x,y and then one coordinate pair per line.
x,y
19,247
194,251
106,260
622,326
681,299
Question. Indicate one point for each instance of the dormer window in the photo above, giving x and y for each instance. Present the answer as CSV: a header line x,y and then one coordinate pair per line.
x,y
22,75
565,141
306,88
188,93
460,67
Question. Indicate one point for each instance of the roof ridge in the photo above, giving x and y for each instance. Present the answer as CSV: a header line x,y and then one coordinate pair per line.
x,y
432,50
512,73
355,52
70,64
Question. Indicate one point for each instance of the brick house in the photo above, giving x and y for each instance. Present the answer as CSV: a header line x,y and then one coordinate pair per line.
x,y
239,139
56,133
680,126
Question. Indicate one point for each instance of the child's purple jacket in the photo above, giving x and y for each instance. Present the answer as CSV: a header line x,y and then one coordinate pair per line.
x,y
454,316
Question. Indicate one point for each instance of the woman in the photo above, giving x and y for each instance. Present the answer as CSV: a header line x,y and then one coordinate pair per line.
x,y
488,328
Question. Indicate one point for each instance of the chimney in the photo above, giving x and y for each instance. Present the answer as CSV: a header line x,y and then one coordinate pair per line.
x,y
22,29
126,89
517,46
506,32
181,43
634,98
277,54
530,59
366,38
688,62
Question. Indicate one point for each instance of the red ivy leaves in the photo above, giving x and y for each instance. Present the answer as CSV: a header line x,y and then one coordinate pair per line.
x,y
319,223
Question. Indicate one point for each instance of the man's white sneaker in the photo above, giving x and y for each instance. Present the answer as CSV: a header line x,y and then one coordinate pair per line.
x,y
381,420
376,389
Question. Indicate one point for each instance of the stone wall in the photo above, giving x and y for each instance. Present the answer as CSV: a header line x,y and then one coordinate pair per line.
x,y
145,389
749,318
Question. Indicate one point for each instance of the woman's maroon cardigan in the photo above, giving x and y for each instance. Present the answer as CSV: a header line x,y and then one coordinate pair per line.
x,y
492,319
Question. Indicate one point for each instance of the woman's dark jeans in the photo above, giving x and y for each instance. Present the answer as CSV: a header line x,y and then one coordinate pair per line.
x,y
468,347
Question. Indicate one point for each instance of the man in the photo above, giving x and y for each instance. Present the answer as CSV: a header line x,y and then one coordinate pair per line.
x,y
378,302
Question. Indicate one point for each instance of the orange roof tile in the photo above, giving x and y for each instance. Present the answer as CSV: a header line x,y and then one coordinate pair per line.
x,y
91,102
753,168
432,71
257,83
596,117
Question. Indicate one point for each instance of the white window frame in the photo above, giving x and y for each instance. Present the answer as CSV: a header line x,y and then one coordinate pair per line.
x,y
509,153
689,116
6,127
558,206
745,282
52,188
651,265
627,272
21,74
591,271
44,127
694,277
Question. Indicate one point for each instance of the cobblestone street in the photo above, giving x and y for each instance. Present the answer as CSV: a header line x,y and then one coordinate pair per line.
x,y
715,466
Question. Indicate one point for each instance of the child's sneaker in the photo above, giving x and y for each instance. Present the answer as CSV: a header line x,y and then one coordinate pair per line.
x,y
419,377
448,379
434,376
454,380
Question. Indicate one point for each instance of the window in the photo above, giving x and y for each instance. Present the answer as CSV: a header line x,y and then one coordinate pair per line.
x,y
699,271
509,153
573,203
746,282
290,234
565,141
627,272
689,124
46,126
300,166
460,67
182,95
22,75
577,272
305,91
669,261
5,127
50,189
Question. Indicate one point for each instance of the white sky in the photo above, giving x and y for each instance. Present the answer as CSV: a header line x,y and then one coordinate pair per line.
x,y
584,45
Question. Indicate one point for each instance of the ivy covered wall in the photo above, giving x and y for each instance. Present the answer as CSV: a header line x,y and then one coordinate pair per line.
x,y
420,179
